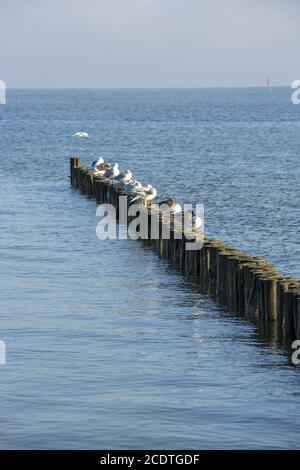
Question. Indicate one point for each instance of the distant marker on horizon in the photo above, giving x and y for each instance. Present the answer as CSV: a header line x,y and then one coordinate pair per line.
x,y
268,83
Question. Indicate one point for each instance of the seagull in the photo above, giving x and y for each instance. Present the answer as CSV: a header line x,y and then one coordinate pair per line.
x,y
145,197
146,188
96,163
80,134
170,207
113,171
124,177
138,190
150,195
193,221
196,223
132,187
102,168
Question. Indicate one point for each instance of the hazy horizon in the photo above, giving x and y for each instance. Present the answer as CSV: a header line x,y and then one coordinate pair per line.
x,y
147,87
95,44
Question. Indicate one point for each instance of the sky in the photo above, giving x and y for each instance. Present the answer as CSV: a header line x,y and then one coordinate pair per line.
x,y
148,43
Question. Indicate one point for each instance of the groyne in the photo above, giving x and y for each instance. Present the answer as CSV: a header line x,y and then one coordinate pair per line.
x,y
244,284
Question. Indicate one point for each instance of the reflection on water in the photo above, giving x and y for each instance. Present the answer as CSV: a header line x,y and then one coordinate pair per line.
x,y
107,346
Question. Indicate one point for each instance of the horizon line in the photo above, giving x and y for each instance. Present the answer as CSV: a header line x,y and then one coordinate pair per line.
x,y
150,87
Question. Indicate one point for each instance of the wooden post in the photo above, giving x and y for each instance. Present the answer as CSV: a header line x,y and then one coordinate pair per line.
x,y
297,315
212,248
97,190
296,319
82,172
177,246
74,163
89,183
288,314
270,286
282,285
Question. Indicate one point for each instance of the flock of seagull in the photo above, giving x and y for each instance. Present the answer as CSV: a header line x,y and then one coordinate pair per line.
x,y
124,181
138,193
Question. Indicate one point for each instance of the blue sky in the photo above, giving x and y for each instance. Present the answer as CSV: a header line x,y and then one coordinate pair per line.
x,y
148,43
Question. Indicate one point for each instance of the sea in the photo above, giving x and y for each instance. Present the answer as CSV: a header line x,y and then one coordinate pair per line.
x,y
107,346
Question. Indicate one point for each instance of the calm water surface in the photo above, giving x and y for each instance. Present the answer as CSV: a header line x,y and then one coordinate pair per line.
x,y
107,346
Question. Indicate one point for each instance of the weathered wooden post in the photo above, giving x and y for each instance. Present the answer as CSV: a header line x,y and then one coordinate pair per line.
x,y
212,248
82,172
89,183
97,190
297,315
288,314
74,163
270,298
252,270
188,234
282,285
177,246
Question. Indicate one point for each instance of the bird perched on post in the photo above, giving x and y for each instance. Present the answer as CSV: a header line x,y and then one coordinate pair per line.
x,y
112,172
170,207
100,166
97,162
122,179
132,187
191,220
144,196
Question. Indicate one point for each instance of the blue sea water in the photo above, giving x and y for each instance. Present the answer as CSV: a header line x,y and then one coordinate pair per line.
x,y
107,346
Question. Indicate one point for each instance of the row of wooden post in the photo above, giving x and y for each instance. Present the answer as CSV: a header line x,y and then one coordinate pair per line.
x,y
244,284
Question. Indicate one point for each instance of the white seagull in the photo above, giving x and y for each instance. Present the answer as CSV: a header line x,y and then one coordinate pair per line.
x,y
123,178
192,221
145,196
196,223
132,187
113,171
96,163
